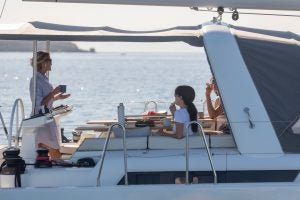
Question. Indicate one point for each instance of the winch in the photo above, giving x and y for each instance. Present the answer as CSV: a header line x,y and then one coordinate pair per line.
x,y
42,159
12,168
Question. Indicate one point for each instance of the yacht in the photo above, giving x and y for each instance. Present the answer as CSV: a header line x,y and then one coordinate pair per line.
x,y
256,72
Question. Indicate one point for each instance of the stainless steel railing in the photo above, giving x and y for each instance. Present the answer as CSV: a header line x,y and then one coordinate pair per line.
x,y
187,152
147,103
105,149
18,105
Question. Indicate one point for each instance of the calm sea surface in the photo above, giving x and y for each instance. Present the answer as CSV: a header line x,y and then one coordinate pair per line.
x,y
98,82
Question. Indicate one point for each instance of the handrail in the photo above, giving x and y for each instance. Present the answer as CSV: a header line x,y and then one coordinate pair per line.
x,y
105,148
17,103
3,124
147,103
187,152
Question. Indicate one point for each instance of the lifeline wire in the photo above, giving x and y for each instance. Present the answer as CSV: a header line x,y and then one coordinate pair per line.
x,y
2,9
249,13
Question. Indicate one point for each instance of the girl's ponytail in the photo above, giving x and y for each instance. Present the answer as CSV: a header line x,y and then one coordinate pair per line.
x,y
192,110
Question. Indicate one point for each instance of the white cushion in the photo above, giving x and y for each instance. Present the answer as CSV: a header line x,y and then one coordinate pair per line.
x,y
214,141
97,144
222,141
68,148
132,132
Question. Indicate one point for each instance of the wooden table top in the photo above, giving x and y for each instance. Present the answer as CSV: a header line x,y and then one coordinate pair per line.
x,y
207,120
130,119
148,116
103,125
105,121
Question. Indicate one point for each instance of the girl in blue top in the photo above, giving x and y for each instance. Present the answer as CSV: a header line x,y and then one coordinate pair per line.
x,y
187,112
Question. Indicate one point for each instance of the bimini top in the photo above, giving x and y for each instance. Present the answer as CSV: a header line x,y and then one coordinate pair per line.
x,y
250,4
271,58
56,32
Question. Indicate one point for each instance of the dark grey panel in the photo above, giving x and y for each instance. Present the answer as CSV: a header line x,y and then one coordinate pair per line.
x,y
250,176
275,70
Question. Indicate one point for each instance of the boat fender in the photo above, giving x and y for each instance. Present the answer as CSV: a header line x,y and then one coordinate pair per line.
x,y
86,162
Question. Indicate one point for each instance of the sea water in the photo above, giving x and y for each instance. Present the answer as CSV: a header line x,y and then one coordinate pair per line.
x,y
98,82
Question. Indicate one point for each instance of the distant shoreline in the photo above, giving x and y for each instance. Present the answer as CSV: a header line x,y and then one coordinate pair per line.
x,y
27,46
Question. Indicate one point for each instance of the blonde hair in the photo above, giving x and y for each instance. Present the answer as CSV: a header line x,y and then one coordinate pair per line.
x,y
41,57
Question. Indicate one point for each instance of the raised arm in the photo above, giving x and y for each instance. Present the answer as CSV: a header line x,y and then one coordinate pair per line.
x,y
213,111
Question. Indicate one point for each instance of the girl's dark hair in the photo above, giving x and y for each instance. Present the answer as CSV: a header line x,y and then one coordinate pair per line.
x,y
187,93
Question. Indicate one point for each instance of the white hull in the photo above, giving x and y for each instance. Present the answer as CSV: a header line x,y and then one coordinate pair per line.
x,y
242,4
247,191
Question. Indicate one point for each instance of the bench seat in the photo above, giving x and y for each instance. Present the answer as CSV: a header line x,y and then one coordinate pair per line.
x,y
214,141
150,142
97,144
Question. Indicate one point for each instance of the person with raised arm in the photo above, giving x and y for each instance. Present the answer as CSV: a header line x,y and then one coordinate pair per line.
x,y
215,109
187,112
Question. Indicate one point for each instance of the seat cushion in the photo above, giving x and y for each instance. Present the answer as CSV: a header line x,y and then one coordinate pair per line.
x,y
132,132
97,144
68,148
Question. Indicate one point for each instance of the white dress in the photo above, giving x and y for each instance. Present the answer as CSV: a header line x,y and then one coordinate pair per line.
x,y
48,134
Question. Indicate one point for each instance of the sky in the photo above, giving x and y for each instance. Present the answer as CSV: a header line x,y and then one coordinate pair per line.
x,y
134,18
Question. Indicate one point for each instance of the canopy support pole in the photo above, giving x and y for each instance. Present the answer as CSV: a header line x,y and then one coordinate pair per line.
x,y
34,75
48,51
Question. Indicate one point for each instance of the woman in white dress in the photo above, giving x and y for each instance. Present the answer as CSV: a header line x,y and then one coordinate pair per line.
x,y
187,112
47,136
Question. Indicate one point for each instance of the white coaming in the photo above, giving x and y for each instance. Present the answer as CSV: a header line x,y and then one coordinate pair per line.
x,y
238,91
